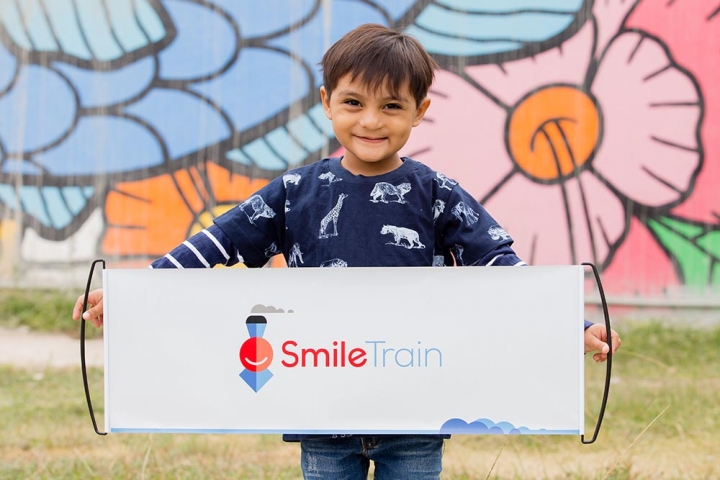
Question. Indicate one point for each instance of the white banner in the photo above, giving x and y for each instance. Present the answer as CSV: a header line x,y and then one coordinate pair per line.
x,y
345,350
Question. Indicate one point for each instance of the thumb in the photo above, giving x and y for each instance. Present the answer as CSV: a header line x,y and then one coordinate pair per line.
x,y
595,343
93,315
599,345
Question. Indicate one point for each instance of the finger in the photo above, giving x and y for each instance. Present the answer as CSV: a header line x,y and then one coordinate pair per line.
x,y
600,357
77,310
90,313
596,344
92,299
94,315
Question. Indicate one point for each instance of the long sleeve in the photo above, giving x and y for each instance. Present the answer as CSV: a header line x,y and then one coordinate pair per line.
x,y
505,257
472,235
205,249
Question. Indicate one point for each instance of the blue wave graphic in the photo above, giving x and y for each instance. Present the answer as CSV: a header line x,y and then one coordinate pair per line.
x,y
485,426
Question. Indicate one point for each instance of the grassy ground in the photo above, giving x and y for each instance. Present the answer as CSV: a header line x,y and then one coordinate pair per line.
x,y
44,310
662,422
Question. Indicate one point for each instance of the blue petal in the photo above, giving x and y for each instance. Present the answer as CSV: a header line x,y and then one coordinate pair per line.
x,y
259,85
303,129
192,54
60,214
61,14
21,167
48,107
100,37
311,40
53,207
102,145
520,26
267,17
86,29
317,114
77,197
444,45
8,64
32,202
395,8
9,197
263,157
508,6
185,122
109,87
137,21
287,145
37,27
237,155
484,27
127,18
13,23
149,20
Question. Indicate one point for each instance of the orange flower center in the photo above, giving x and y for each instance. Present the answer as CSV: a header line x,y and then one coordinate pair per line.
x,y
553,132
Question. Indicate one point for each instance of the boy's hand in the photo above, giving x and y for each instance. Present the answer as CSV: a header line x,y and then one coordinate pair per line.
x,y
595,341
94,313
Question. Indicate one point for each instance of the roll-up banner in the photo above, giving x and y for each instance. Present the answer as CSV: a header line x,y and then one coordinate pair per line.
x,y
416,350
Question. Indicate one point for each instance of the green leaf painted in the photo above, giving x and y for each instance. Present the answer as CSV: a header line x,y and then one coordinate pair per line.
x,y
696,248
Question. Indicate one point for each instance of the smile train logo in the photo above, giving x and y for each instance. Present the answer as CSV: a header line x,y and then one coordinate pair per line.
x,y
256,354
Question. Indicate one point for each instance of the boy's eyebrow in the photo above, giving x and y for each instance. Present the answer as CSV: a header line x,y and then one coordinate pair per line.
x,y
353,93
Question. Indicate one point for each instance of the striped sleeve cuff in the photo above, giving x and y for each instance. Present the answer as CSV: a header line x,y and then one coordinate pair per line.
x,y
205,249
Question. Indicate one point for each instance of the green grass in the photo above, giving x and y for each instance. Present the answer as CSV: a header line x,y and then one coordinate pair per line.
x,y
47,433
662,422
42,310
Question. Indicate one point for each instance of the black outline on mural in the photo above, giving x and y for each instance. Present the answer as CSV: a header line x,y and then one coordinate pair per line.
x,y
202,156
46,58
527,49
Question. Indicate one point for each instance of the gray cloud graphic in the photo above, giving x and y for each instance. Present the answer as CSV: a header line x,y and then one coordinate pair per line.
x,y
267,309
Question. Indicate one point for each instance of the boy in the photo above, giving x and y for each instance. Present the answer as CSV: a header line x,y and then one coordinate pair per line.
x,y
368,208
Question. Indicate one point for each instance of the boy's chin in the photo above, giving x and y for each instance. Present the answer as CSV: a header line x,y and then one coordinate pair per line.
x,y
371,164
377,162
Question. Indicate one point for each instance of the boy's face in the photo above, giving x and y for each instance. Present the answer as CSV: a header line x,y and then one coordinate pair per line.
x,y
372,126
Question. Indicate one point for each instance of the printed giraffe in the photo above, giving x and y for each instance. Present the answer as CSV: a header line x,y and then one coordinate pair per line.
x,y
332,216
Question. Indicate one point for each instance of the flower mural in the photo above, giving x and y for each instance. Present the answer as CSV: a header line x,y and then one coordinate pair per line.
x,y
597,130
586,127
153,216
689,233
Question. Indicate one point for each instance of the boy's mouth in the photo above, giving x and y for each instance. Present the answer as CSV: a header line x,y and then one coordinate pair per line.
x,y
371,139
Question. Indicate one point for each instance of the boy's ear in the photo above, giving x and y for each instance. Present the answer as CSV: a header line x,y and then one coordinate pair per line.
x,y
325,102
421,110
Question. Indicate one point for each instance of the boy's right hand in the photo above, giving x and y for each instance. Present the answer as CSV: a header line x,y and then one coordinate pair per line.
x,y
94,313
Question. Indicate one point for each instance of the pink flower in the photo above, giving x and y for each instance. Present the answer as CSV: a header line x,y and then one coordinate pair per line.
x,y
691,31
560,146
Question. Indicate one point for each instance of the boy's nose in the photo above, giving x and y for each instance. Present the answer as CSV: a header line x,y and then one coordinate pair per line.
x,y
371,120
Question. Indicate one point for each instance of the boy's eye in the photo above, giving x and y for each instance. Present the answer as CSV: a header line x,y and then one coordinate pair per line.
x,y
393,106
352,102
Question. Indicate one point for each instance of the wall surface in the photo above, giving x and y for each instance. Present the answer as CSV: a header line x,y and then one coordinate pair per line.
x,y
589,130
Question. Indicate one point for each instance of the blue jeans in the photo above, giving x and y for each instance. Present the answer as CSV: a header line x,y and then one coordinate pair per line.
x,y
396,457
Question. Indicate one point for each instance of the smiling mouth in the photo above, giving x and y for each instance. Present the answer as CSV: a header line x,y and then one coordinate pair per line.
x,y
255,364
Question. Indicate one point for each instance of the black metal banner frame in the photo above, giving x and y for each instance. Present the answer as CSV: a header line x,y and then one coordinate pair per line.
x,y
608,373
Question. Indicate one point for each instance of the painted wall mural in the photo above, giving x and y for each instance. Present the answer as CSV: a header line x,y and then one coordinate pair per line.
x,y
591,130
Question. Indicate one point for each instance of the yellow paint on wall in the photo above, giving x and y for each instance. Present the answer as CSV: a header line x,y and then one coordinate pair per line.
x,y
9,248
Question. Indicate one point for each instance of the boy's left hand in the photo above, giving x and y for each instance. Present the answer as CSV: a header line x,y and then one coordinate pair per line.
x,y
595,341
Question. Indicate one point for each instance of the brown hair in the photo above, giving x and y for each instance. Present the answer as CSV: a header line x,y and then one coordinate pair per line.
x,y
379,56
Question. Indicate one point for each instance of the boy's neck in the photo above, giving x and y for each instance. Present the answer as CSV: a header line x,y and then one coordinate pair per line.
x,y
371,169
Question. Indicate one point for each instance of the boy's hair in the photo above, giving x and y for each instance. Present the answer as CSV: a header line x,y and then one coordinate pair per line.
x,y
379,56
